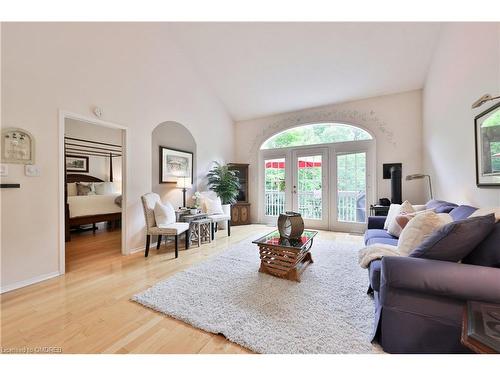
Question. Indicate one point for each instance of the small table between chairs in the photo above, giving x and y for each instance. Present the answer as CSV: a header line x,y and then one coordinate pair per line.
x,y
200,227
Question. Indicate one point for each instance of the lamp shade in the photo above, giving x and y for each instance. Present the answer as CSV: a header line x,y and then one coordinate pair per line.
x,y
184,182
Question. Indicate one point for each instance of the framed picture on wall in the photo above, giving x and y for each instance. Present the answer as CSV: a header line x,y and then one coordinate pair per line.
x,y
175,164
77,163
487,136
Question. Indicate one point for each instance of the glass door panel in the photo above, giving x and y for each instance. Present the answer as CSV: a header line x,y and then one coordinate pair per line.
x,y
274,186
351,187
309,186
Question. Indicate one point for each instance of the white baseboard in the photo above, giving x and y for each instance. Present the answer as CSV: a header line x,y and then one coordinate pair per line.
x,y
141,248
33,280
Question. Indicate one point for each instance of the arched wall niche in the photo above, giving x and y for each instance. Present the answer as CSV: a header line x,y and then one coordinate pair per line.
x,y
171,134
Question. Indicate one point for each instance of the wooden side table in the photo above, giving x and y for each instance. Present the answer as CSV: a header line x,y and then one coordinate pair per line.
x,y
481,327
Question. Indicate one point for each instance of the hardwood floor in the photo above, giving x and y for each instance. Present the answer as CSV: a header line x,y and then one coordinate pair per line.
x,y
88,309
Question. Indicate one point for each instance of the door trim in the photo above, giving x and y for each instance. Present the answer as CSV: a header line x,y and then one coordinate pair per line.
x,y
63,115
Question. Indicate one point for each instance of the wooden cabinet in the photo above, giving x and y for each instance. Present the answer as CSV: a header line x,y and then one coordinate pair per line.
x,y
240,214
240,211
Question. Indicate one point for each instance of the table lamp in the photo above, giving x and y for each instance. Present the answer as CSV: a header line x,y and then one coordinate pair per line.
x,y
184,183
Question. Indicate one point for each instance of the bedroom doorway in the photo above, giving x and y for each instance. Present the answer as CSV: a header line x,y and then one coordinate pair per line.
x,y
92,189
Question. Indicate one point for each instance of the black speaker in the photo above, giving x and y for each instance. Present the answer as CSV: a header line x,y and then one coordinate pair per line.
x,y
396,194
394,171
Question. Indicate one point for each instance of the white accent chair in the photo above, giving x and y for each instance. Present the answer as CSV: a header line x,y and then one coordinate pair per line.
x,y
152,229
216,218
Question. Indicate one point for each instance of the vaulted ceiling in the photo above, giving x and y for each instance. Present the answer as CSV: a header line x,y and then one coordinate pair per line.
x,y
259,69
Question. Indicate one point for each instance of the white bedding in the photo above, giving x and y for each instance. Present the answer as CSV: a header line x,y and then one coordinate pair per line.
x,y
85,205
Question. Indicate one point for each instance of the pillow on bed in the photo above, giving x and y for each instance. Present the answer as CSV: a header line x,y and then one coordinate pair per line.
x,y
104,188
164,213
85,188
72,189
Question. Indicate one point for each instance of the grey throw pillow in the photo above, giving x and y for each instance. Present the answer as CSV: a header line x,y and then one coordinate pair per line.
x,y
83,188
455,240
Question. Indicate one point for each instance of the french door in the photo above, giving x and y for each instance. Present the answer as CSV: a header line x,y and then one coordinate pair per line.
x,y
310,186
328,185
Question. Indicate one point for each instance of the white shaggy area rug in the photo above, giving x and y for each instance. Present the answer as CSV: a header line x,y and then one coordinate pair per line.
x,y
327,312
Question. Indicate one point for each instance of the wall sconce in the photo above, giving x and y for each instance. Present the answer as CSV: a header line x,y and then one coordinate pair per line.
x,y
483,99
184,183
418,176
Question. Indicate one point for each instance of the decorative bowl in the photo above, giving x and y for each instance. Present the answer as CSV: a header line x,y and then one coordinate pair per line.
x,y
290,225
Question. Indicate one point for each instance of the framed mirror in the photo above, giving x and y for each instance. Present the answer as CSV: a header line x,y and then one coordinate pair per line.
x,y
487,136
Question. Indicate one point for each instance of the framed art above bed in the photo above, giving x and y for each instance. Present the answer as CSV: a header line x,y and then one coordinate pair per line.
x,y
76,163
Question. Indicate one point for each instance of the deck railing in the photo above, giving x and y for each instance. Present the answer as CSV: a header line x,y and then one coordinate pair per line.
x,y
310,205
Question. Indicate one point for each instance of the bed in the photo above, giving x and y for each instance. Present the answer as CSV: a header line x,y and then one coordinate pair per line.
x,y
89,209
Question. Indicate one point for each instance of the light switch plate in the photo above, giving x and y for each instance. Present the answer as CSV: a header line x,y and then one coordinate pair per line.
x,y
4,170
31,170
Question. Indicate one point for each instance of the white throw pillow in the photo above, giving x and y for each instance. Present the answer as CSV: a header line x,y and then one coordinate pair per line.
x,y
164,213
419,228
395,210
104,188
213,206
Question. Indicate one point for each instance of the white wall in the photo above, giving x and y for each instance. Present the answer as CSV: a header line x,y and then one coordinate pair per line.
x,y
466,65
137,75
395,120
98,165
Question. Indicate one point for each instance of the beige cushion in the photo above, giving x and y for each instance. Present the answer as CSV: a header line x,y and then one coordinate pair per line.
x,y
419,228
400,222
395,210
164,213
175,228
72,189
419,207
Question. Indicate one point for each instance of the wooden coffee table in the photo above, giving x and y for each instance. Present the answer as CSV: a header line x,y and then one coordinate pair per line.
x,y
285,258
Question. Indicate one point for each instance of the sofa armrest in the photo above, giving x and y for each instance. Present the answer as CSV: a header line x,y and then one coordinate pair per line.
x,y
376,222
439,278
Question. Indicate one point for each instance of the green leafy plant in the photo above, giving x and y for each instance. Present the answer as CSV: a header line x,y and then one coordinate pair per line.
x,y
223,182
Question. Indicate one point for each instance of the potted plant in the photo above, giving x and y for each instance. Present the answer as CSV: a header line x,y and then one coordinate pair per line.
x,y
225,184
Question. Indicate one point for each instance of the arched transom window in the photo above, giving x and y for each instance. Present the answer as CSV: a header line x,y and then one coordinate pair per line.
x,y
314,134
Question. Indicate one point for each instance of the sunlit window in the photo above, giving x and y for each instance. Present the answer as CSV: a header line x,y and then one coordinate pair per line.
x,y
316,134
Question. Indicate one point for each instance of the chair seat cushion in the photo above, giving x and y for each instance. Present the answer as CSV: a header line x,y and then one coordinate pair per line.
x,y
173,228
219,217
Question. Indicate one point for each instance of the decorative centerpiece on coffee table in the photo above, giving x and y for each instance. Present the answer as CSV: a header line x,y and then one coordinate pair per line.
x,y
290,225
